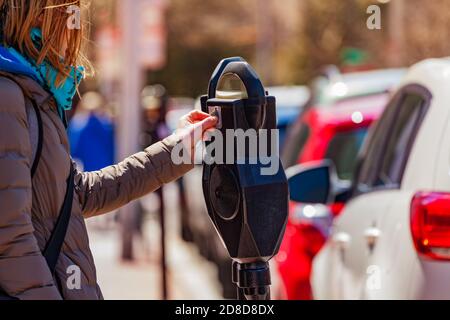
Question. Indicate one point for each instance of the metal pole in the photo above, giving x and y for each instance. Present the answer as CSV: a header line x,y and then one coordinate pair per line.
x,y
162,211
128,119
397,32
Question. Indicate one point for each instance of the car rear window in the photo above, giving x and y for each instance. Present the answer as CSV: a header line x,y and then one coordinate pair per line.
x,y
389,148
401,137
343,150
295,144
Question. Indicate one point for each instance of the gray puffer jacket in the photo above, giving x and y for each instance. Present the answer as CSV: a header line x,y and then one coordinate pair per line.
x,y
29,207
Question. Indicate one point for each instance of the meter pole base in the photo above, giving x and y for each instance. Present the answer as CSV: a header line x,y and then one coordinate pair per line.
x,y
253,280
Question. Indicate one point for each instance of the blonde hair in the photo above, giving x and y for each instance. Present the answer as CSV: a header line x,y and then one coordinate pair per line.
x,y
19,17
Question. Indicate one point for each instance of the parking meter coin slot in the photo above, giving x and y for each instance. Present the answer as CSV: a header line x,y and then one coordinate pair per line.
x,y
216,112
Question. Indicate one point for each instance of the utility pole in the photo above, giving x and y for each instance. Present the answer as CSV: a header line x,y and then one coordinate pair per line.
x,y
397,32
129,114
265,41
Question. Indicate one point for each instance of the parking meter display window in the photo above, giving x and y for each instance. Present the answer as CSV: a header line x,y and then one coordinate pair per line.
x,y
231,87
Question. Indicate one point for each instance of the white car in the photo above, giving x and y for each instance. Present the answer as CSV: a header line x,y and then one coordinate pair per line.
x,y
392,241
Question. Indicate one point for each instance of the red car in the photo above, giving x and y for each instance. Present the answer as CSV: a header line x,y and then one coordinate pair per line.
x,y
335,133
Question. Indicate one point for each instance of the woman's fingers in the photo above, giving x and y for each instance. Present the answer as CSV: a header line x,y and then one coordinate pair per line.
x,y
193,126
209,123
196,128
196,118
197,115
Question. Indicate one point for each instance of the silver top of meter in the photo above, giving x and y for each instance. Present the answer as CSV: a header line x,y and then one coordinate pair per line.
x,y
231,87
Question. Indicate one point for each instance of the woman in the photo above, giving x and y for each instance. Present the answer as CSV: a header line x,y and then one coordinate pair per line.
x,y
41,63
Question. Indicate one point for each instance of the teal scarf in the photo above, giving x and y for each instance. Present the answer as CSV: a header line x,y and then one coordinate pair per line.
x,y
46,75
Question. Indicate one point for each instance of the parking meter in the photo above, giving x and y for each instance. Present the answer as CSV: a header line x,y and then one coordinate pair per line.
x,y
249,208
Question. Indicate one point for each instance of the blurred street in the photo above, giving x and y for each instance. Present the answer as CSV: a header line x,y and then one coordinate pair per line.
x,y
141,279
350,105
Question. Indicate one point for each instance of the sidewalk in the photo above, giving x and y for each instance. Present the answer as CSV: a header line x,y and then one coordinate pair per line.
x,y
190,276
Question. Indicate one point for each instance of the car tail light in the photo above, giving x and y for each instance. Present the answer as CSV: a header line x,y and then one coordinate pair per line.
x,y
430,224
336,208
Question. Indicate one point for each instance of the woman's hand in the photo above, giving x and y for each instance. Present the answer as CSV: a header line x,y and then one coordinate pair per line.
x,y
197,119
193,126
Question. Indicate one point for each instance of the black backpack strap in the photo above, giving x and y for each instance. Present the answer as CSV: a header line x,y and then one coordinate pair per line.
x,y
38,152
54,245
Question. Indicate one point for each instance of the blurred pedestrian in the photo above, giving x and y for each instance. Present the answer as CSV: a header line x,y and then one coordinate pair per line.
x,y
91,134
41,65
155,104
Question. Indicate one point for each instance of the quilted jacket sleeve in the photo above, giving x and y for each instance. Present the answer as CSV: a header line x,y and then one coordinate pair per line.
x,y
23,270
109,189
